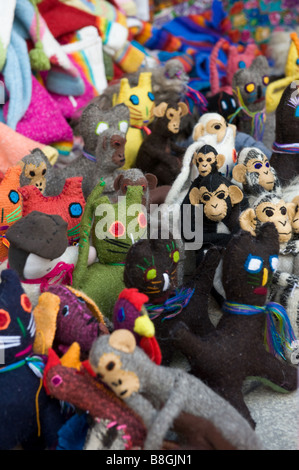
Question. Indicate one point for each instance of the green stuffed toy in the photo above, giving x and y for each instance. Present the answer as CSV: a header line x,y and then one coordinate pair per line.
x,y
111,229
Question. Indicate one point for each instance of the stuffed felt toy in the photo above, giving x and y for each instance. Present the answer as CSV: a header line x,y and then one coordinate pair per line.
x,y
169,81
130,313
285,148
140,101
29,418
152,268
249,85
63,316
72,381
11,205
255,173
36,168
213,130
69,204
158,154
111,229
104,136
40,254
159,394
236,350
291,73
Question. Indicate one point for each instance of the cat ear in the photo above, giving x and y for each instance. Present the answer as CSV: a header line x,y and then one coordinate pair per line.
x,y
145,80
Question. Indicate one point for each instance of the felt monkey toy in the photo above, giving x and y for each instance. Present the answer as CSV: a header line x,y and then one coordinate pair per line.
x,y
158,153
207,160
213,129
36,169
254,171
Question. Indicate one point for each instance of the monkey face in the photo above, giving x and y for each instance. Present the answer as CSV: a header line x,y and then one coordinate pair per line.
x,y
266,177
277,214
204,162
218,127
295,218
122,382
117,143
36,175
215,203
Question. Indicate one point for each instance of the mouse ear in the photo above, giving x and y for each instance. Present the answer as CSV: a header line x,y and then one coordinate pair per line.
x,y
122,340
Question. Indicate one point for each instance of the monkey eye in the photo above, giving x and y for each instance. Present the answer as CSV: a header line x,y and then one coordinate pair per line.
x,y
209,159
32,173
125,187
217,127
267,164
221,195
200,160
283,210
44,171
257,166
206,197
269,212
110,365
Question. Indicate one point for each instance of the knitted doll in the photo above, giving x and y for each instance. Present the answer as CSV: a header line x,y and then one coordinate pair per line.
x,y
36,169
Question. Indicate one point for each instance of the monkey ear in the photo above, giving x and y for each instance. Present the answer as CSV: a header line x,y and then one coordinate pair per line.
x,y
152,180
248,221
194,196
159,110
291,209
117,182
198,131
239,172
184,108
122,340
236,194
220,160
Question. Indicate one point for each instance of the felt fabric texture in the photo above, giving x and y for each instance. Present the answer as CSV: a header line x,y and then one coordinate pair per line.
x,y
29,417
69,204
224,359
140,101
11,205
158,153
149,386
74,384
35,170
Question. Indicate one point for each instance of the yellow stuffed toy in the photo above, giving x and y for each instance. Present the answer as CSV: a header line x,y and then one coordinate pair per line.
x,y
276,89
140,101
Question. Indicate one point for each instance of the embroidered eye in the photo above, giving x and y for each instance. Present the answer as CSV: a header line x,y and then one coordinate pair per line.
x,y
117,229
150,274
258,166
121,316
175,255
25,303
14,197
65,311
123,126
267,164
151,96
224,105
81,300
266,80
44,171
142,221
253,264
134,99
217,127
297,61
209,159
283,210
75,209
269,212
101,127
221,195
110,365
32,173
273,260
4,319
250,87
242,64
206,197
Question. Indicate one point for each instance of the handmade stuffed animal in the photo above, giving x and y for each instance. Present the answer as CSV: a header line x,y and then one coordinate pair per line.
x,y
63,316
40,254
152,268
69,204
236,350
111,229
285,148
140,101
36,169
29,418
159,394
11,205
158,154
255,173
104,136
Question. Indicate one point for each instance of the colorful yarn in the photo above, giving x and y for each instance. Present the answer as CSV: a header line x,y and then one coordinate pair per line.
x,y
278,330
172,306
285,148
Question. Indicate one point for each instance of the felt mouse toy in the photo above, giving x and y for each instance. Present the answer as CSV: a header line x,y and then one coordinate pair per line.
x,y
11,205
29,417
256,175
110,229
152,268
236,349
69,380
285,147
104,136
36,169
159,394
140,101
40,254
158,153
69,204
63,316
